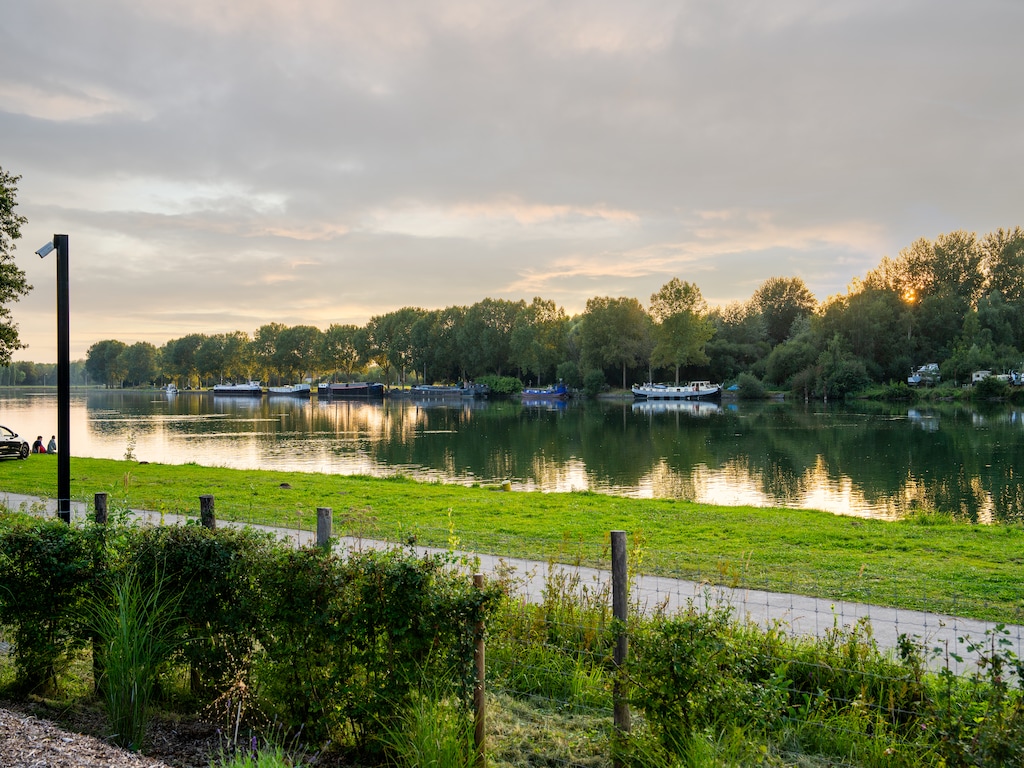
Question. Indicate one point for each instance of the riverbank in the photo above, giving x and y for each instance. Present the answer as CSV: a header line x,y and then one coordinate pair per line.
x,y
926,563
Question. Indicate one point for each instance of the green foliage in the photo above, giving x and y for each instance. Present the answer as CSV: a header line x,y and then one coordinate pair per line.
x,y
558,650
433,731
217,574
346,641
990,388
569,372
136,626
980,721
13,284
47,570
751,387
698,673
594,382
501,385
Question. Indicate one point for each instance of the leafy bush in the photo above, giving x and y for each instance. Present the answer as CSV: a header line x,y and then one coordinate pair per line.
x,y
990,388
47,570
569,372
501,385
218,575
750,386
594,382
698,672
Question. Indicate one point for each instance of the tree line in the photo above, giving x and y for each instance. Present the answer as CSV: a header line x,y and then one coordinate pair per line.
x,y
957,300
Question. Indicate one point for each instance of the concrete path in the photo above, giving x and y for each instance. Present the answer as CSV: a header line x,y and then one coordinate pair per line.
x,y
807,616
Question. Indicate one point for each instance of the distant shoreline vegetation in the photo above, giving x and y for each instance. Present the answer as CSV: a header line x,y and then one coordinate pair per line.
x,y
957,301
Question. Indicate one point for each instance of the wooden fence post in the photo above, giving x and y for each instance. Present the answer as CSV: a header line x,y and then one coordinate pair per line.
x,y
323,527
100,505
620,610
479,687
206,516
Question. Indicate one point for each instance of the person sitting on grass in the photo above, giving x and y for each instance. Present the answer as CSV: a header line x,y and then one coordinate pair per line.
x,y
51,447
37,446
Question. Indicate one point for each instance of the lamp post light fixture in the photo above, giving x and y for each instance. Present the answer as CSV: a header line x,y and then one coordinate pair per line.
x,y
60,244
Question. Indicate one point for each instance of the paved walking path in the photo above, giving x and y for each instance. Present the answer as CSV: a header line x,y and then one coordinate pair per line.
x,y
809,616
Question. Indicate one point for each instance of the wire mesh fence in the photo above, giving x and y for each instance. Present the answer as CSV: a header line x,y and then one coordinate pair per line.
x,y
840,662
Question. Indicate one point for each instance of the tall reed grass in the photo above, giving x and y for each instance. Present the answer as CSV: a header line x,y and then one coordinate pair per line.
x,y
135,621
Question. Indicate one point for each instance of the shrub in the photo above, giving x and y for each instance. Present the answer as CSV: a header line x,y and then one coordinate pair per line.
x,y
502,386
990,388
47,569
569,372
750,386
594,382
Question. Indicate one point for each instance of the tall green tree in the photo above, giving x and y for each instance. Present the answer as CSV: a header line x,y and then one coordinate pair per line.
x,y
104,363
537,344
485,338
780,301
740,342
13,284
140,362
615,332
681,330
179,357
338,352
298,351
1003,260
264,348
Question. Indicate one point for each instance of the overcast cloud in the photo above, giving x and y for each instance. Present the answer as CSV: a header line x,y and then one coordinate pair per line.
x,y
220,165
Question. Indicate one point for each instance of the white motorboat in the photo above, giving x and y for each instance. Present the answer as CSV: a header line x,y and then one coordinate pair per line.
x,y
249,389
292,390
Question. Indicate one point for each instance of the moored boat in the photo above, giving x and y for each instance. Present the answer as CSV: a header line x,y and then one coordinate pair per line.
x,y
353,390
170,389
249,389
554,392
291,390
428,391
694,390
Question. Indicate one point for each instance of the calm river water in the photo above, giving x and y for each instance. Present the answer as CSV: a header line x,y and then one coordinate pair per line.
x,y
878,461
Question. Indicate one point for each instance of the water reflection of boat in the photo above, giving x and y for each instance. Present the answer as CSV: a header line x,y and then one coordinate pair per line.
x,y
352,390
249,389
695,390
292,390
688,407
929,422
549,403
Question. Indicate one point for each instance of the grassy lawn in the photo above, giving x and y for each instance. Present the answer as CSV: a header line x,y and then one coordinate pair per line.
x,y
927,563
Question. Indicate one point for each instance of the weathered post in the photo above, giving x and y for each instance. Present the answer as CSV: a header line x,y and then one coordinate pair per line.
x,y
620,610
323,527
206,516
479,688
100,505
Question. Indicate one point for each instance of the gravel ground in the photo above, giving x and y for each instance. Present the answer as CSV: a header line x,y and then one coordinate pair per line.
x,y
29,740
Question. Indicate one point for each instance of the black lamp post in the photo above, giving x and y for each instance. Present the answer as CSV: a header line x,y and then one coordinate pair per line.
x,y
60,243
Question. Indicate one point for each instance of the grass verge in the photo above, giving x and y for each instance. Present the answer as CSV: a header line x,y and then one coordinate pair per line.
x,y
927,562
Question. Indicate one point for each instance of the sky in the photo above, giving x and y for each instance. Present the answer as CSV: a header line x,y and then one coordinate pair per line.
x,y
221,164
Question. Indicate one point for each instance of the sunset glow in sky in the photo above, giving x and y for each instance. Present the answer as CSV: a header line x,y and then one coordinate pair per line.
x,y
221,164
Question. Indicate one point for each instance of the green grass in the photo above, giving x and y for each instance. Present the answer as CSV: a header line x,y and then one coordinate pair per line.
x,y
928,562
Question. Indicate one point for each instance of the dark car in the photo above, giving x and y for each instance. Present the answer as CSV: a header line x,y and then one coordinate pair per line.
x,y
11,444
